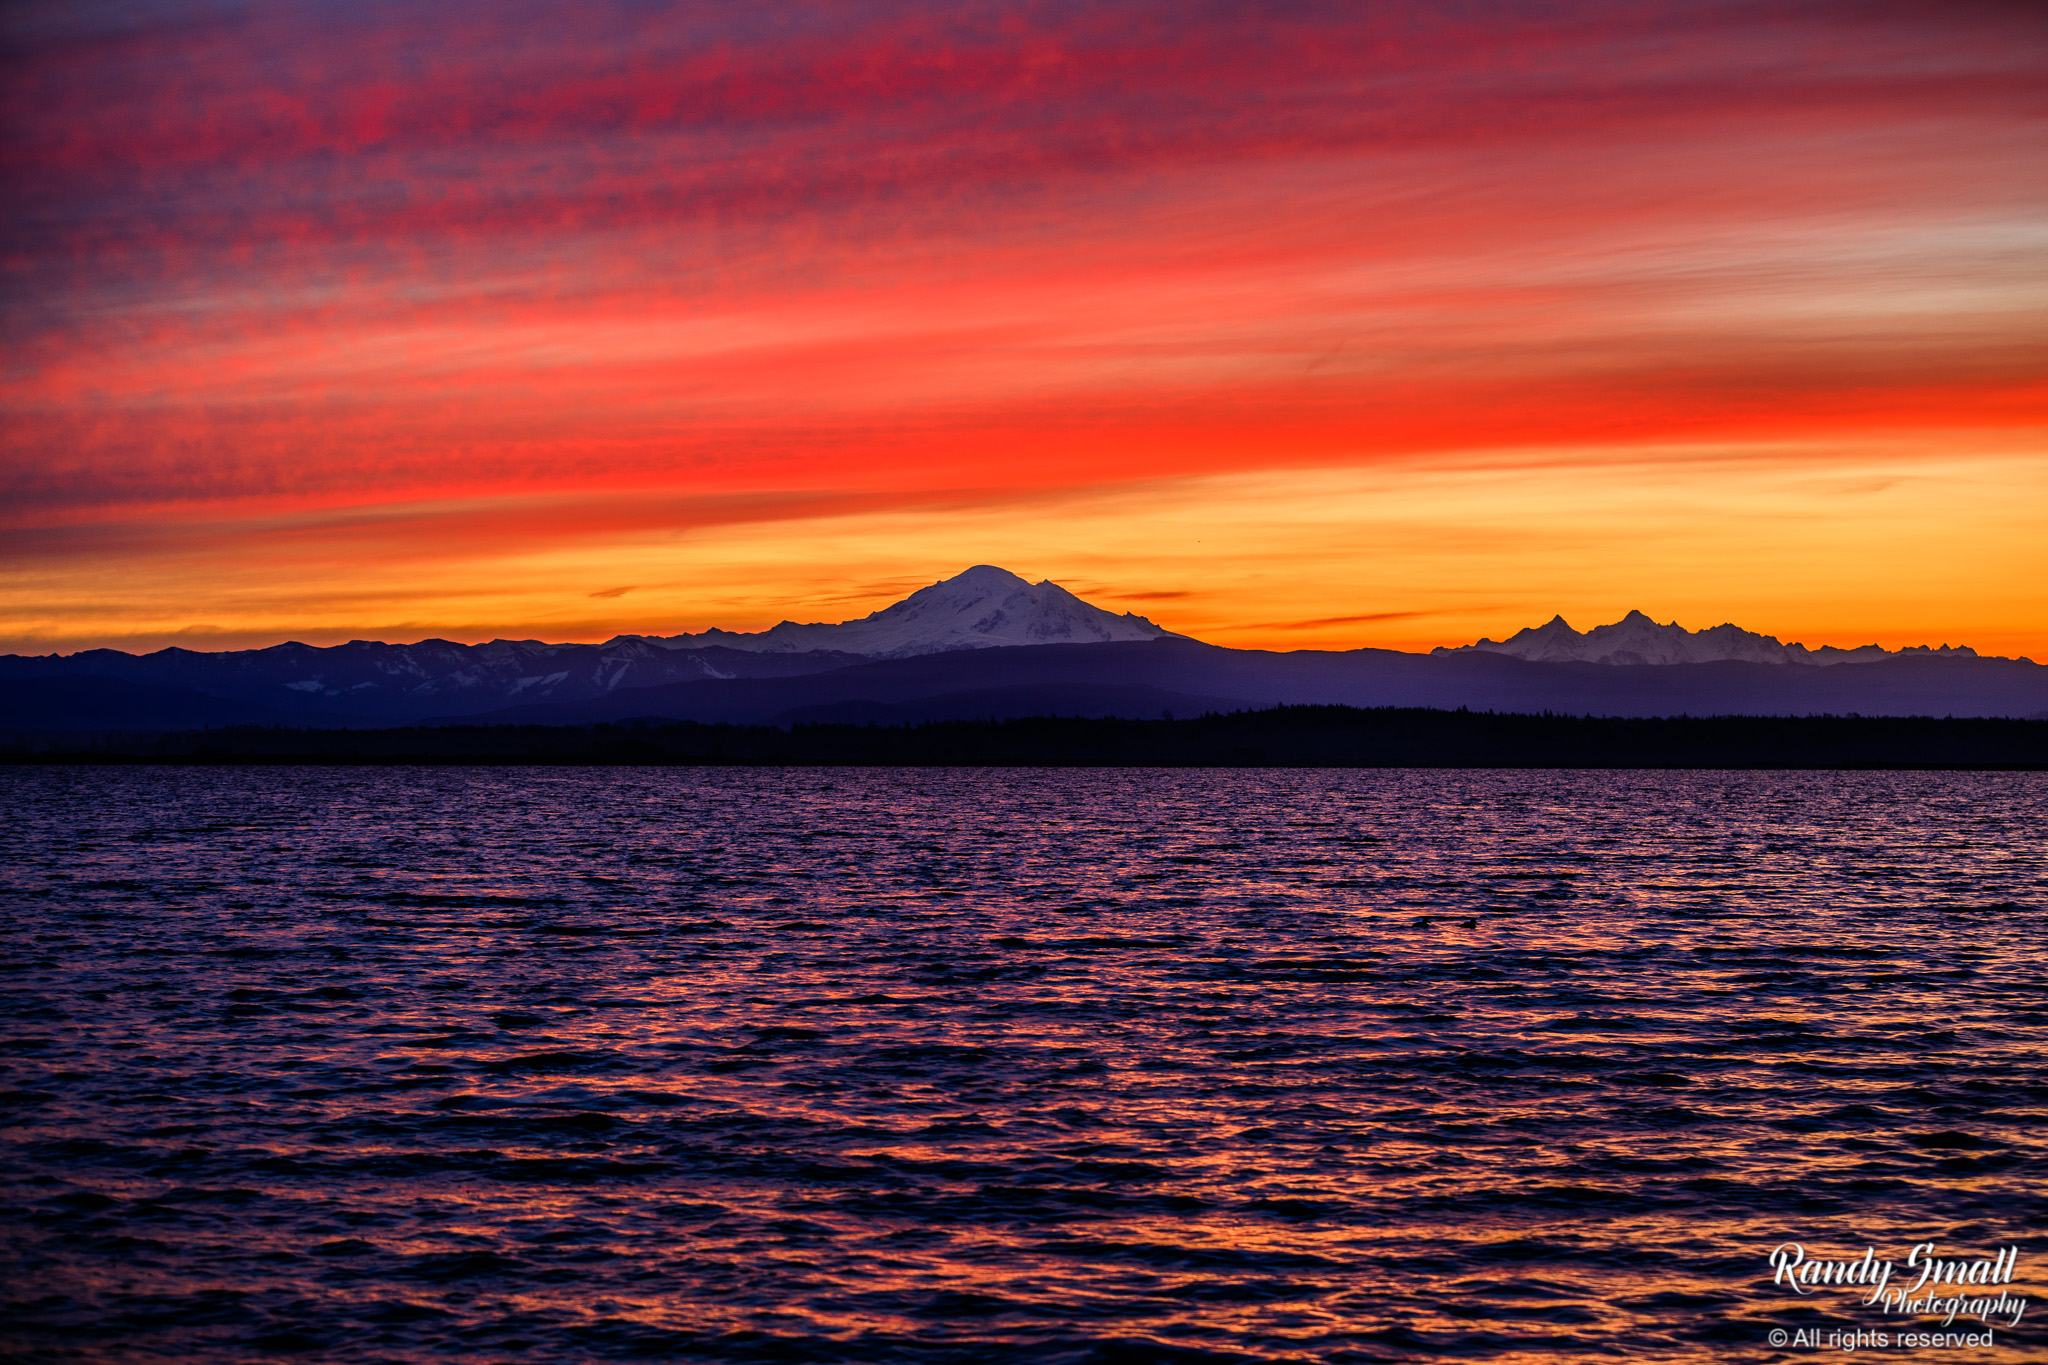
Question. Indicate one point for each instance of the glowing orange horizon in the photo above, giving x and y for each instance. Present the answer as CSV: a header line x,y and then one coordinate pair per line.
x,y
1391,330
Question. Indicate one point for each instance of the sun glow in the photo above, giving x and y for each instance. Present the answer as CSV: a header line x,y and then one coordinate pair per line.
x,y
1308,332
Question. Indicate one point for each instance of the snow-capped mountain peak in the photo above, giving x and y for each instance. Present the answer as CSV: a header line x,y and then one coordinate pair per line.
x,y
980,608
1637,639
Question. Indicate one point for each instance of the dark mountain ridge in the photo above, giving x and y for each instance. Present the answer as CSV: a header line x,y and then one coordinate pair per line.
x,y
366,682
986,644
1187,677
516,682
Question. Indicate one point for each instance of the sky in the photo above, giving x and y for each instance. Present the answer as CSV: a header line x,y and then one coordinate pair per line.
x,y
1285,325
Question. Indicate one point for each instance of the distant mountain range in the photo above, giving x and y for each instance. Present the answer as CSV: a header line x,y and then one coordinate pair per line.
x,y
986,643
1637,640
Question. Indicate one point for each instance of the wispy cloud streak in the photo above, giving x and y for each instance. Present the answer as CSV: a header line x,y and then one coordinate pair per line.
x,y
294,256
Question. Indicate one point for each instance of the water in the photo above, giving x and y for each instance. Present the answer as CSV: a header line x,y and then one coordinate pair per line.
x,y
935,1065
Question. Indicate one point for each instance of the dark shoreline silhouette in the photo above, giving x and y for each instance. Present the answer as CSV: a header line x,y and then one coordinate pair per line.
x,y
1286,736
436,683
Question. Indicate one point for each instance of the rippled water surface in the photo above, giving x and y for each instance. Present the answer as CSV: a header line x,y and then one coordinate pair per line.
x,y
938,1065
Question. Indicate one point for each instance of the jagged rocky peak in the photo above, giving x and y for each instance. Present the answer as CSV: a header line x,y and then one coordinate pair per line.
x,y
983,607
1638,639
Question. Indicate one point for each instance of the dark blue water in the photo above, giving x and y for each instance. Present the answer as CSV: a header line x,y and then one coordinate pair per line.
x,y
935,1065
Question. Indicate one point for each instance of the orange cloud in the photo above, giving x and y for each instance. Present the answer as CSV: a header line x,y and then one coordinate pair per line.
x,y
319,318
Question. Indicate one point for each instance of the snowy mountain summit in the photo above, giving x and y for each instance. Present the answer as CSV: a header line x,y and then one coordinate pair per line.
x,y
982,608
1636,639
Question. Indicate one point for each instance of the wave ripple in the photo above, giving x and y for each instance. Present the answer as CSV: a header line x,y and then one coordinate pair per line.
x,y
933,1066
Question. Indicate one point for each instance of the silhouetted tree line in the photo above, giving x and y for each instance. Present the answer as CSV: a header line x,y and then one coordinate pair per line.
x,y
1287,736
